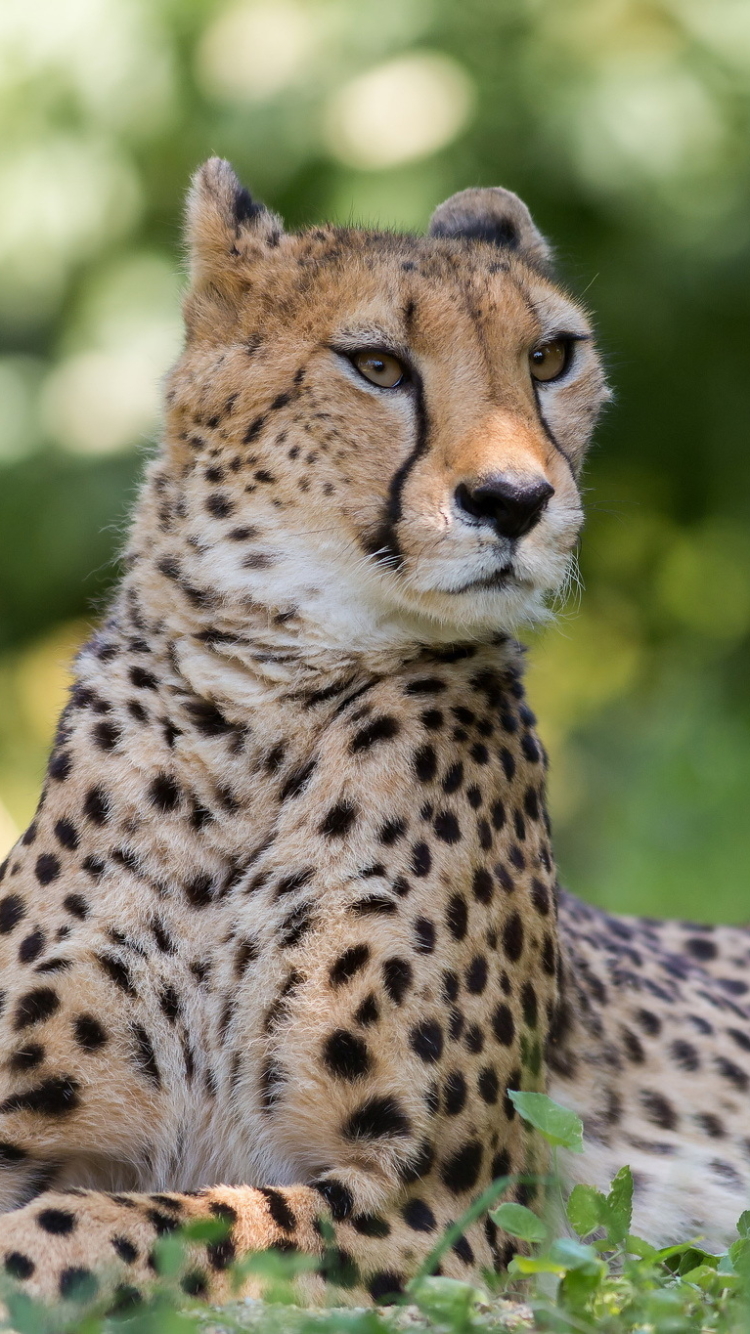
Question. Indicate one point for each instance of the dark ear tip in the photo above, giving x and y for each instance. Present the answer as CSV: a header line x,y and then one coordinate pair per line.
x,y
245,207
495,216
217,180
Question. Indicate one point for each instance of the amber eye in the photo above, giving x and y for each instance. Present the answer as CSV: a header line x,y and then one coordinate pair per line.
x,y
549,360
380,368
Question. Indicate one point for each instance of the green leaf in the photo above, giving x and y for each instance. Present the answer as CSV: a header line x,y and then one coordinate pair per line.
x,y
743,1224
643,1249
446,1300
519,1222
572,1254
739,1254
532,1264
586,1209
558,1124
620,1206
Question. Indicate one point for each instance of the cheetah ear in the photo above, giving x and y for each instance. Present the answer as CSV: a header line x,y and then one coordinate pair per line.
x,y
493,215
225,225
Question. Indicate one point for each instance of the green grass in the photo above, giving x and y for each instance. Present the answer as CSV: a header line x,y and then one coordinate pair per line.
x,y
598,1276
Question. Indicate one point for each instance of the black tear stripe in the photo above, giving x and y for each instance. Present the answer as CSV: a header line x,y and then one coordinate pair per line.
x,y
384,542
549,432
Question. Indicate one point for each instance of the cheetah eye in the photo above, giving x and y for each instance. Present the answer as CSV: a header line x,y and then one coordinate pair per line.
x,y
550,360
380,368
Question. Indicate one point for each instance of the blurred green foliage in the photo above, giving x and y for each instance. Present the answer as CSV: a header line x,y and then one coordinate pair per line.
x,y
625,125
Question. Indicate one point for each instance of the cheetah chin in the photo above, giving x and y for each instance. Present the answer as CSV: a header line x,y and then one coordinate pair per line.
x,y
286,929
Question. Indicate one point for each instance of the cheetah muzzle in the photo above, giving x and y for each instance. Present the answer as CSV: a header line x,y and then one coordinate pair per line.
x,y
285,929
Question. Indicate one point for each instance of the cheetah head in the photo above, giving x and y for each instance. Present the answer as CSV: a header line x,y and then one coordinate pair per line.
x,y
381,434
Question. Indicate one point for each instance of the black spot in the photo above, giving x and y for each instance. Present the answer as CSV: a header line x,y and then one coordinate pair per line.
x,y
742,1039
10,1154
419,1216
385,1286
76,905
348,964
488,1085
118,972
529,1003
369,1225
432,719
339,819
454,1093
446,827
58,1222
476,975
684,1054
461,1170
513,937
59,768
457,916
474,1039
346,1055
659,1110
55,1097
93,866
633,1046
47,868
35,1006
296,925
429,685
295,880
125,1249
27,1058
164,793
19,1266
368,1012
503,1026
89,1033
377,1118
421,859
733,1073
144,1055
199,890
462,1248
31,947
397,977
12,911
453,778
382,728
374,903
426,1039
530,748
424,931
338,1197
194,1283
66,834
279,1209
392,831
106,735
482,886
425,763
219,505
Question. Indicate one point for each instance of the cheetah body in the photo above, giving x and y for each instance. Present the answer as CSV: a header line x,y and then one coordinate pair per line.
x,y
284,931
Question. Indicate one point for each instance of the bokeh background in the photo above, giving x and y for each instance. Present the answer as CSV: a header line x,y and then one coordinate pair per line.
x,y
625,124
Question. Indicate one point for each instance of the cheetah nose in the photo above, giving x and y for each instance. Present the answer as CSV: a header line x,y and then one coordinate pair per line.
x,y
512,504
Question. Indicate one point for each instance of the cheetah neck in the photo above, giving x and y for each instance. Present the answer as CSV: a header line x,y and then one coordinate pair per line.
x,y
301,628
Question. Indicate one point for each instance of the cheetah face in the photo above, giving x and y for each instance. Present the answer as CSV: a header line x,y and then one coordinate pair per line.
x,y
390,425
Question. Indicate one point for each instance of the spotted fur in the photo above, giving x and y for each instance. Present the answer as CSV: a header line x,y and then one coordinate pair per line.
x,y
284,930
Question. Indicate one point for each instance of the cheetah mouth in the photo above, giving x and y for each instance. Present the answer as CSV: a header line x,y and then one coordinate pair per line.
x,y
501,578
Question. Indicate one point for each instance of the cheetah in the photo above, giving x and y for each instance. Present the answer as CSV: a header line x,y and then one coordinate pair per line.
x,y
286,928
